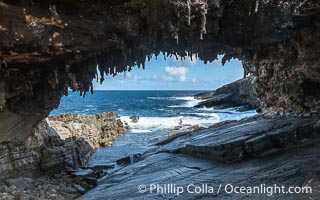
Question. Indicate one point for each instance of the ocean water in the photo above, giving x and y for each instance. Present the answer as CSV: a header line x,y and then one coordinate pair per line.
x,y
159,111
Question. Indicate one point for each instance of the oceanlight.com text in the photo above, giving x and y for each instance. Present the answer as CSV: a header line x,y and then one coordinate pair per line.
x,y
268,190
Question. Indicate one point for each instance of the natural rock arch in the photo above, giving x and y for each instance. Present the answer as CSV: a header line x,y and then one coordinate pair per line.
x,y
48,46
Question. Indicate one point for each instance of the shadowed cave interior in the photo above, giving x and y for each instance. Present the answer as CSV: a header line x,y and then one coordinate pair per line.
x,y
49,46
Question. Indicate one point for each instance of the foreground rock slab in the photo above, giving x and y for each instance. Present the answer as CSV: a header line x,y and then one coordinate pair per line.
x,y
50,163
283,150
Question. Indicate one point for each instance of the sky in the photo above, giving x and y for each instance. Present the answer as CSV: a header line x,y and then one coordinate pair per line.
x,y
172,74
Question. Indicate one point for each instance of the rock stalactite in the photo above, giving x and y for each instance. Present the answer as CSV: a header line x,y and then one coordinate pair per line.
x,y
49,46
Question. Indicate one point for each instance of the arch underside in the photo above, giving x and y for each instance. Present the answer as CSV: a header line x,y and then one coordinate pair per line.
x,y
48,46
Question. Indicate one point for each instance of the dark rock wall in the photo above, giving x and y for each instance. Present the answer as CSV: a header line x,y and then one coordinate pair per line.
x,y
42,152
239,93
48,46
16,126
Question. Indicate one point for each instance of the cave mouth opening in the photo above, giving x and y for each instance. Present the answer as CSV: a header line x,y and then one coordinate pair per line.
x,y
174,73
164,93
156,102
188,75
162,77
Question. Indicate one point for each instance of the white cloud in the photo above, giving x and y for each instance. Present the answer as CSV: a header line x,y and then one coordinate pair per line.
x,y
194,79
128,74
174,73
154,77
167,78
136,77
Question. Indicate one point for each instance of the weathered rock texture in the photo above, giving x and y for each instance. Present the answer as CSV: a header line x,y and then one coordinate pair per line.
x,y
97,130
48,46
239,93
42,151
195,158
68,142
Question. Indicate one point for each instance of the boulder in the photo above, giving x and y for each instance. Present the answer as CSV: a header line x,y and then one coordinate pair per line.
x,y
134,119
20,183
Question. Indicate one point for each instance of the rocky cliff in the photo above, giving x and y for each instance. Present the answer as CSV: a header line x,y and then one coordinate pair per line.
x,y
48,46
59,142
241,93
97,130
42,151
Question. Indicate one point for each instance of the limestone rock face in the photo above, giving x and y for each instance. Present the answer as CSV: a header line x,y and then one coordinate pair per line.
x,y
15,158
97,130
42,152
68,142
239,93
48,46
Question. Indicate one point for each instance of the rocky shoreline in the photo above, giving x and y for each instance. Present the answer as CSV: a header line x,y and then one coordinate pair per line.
x,y
245,144
276,148
49,47
97,130
56,150
61,145
241,93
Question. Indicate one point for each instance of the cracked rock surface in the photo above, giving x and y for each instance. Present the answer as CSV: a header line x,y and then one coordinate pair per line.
x,y
218,155
49,46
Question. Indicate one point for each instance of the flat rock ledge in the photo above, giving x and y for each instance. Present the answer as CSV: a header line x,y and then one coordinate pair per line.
x,y
280,149
254,137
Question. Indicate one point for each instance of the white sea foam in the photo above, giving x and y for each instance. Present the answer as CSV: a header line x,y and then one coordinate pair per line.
x,y
140,131
227,110
90,106
190,102
159,98
149,124
188,98
202,119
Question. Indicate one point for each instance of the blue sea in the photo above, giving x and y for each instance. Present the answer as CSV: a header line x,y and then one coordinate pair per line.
x,y
156,109
159,111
